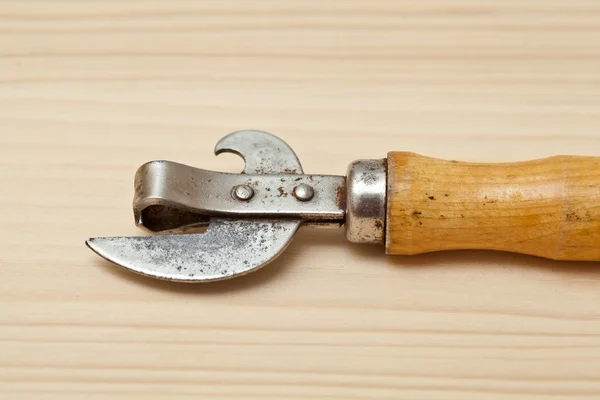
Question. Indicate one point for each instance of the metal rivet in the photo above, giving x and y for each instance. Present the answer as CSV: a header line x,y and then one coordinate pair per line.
x,y
243,192
304,192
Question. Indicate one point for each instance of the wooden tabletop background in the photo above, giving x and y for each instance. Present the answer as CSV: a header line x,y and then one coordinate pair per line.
x,y
91,90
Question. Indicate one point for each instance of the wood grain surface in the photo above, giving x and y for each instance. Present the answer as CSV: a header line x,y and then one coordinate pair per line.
x,y
548,207
90,90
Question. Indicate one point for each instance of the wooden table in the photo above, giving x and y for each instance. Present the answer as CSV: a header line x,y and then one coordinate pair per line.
x,y
91,90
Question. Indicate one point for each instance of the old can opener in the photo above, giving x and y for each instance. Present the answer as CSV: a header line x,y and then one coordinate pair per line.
x,y
410,203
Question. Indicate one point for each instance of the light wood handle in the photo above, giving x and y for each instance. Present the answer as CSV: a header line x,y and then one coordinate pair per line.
x,y
548,208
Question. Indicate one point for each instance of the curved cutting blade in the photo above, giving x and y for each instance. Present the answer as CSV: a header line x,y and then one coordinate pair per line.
x,y
227,249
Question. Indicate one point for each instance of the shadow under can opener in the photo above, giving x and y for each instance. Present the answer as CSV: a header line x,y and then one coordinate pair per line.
x,y
251,217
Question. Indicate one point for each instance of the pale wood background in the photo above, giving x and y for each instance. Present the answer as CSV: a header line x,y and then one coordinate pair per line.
x,y
89,90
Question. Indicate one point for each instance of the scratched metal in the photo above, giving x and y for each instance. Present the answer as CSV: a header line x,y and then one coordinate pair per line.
x,y
228,248
264,153
184,189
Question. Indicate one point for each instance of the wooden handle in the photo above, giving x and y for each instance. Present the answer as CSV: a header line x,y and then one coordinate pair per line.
x,y
548,208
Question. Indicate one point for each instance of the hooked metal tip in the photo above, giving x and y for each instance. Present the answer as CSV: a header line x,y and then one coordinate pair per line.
x,y
264,153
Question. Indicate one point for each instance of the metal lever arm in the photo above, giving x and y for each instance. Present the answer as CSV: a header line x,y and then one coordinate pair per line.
x,y
170,196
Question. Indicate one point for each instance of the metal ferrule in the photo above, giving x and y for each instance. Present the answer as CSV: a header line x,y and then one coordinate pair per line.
x,y
366,195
